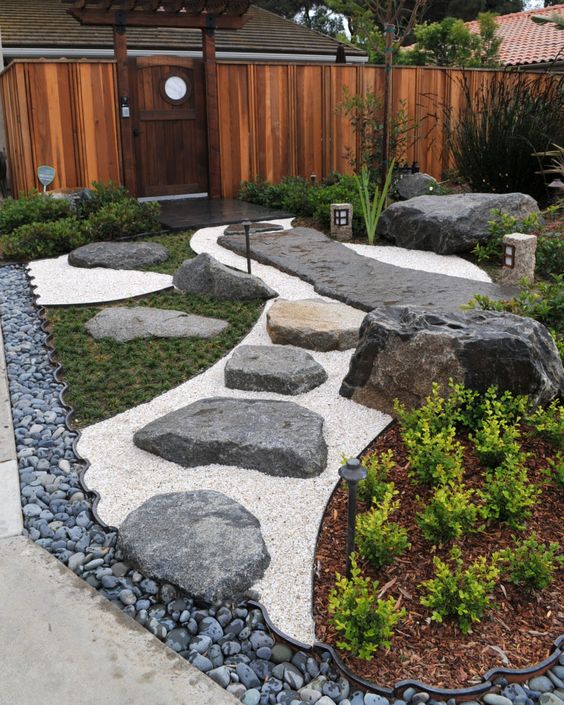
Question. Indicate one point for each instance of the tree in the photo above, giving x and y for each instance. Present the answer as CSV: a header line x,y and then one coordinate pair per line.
x,y
315,15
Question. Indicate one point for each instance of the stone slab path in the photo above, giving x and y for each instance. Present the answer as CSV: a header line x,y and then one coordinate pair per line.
x,y
64,643
336,271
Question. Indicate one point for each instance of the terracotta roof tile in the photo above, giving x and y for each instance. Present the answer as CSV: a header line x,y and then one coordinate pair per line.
x,y
524,41
45,24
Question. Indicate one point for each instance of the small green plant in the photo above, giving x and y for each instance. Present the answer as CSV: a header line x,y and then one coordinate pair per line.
x,y
435,457
30,208
365,621
102,195
495,439
548,423
372,206
556,469
460,593
49,239
122,218
502,224
450,514
508,494
379,539
377,482
531,564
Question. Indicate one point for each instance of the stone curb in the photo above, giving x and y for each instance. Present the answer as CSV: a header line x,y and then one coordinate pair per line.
x,y
11,519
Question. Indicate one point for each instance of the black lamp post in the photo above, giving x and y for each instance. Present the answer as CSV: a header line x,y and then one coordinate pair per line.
x,y
247,225
353,472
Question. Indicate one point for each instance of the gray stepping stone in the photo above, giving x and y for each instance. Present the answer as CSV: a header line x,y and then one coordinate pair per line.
x,y
118,255
203,542
238,229
314,324
123,324
275,437
207,276
273,368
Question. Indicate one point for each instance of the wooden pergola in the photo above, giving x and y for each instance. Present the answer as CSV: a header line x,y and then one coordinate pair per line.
x,y
206,15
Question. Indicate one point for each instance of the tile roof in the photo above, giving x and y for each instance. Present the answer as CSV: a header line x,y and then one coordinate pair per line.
x,y
45,24
524,41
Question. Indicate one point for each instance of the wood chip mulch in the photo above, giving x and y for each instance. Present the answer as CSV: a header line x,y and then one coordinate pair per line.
x,y
517,633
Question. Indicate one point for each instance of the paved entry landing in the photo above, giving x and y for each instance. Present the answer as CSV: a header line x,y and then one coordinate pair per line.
x,y
189,213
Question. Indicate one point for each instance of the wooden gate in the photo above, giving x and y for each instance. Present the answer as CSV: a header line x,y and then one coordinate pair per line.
x,y
168,118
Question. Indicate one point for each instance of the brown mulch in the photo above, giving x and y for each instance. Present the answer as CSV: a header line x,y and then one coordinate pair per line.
x,y
517,633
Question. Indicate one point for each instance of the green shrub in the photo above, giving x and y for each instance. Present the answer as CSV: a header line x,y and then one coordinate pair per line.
x,y
341,189
122,218
550,254
380,540
531,564
502,224
450,514
365,621
102,195
495,439
377,482
460,593
435,457
556,469
548,423
31,208
434,414
257,191
508,494
49,239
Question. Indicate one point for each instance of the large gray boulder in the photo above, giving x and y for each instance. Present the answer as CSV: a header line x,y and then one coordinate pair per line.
x,y
204,542
273,368
275,437
449,224
413,185
123,323
404,350
118,255
207,276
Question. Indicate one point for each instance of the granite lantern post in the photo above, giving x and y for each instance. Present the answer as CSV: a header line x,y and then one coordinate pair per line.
x,y
353,472
519,257
341,221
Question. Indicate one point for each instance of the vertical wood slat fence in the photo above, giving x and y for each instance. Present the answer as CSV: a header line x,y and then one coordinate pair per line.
x,y
276,120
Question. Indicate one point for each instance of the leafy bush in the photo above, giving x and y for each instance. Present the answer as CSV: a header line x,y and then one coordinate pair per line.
x,y
377,483
508,494
435,413
122,218
49,239
102,195
450,514
458,592
556,469
379,539
31,208
500,127
495,439
549,423
365,621
435,457
531,563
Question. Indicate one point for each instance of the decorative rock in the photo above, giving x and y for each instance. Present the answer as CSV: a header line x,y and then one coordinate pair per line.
x,y
494,699
178,639
542,684
251,697
550,699
403,350
207,276
309,695
172,536
123,324
314,324
275,437
273,368
413,185
238,229
247,676
449,224
374,699
220,676
118,255
281,653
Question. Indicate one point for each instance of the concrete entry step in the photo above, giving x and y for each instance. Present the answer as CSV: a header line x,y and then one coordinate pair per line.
x,y
64,644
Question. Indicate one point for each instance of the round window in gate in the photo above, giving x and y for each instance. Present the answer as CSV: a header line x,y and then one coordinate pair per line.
x,y
176,89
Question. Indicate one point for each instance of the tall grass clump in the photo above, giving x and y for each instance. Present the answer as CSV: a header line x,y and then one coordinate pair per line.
x,y
503,127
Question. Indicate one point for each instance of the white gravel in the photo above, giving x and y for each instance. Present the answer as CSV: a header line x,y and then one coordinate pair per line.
x,y
289,510
451,265
57,283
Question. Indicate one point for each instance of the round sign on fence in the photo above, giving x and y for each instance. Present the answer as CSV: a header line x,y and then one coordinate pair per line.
x,y
46,176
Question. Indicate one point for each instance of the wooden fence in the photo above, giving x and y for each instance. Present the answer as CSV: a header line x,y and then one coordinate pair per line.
x,y
276,120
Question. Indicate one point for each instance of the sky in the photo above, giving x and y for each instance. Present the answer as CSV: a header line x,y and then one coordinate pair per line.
x,y
532,4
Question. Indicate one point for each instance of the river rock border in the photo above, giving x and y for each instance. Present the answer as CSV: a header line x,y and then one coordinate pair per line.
x,y
236,645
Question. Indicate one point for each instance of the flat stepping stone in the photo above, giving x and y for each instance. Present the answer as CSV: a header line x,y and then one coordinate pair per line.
x,y
238,229
278,438
314,324
123,324
273,368
203,541
207,276
118,255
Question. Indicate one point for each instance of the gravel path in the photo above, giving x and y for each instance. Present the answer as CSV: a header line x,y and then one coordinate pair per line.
x,y
58,283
